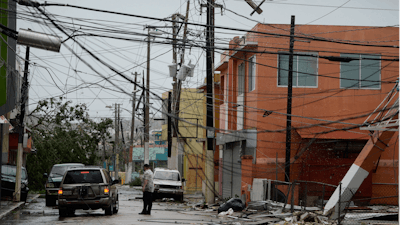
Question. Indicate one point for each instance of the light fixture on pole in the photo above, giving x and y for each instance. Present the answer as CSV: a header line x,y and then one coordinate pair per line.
x,y
37,40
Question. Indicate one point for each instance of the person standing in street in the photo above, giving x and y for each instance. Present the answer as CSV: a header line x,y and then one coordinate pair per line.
x,y
148,189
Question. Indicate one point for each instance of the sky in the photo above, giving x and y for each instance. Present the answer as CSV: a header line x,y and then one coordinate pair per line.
x,y
64,74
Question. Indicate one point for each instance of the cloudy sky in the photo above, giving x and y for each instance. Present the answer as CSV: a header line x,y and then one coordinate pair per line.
x,y
63,74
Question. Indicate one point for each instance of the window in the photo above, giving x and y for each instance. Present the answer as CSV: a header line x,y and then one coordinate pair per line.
x,y
252,73
166,175
241,78
361,73
305,70
7,170
83,176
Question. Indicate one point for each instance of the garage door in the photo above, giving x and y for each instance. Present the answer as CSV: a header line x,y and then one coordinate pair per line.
x,y
232,171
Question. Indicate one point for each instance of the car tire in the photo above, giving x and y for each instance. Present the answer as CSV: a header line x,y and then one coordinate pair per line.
x,y
109,210
50,201
62,212
179,198
116,206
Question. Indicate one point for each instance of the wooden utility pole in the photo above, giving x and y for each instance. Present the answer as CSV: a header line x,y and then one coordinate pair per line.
x,y
179,88
129,172
289,104
172,156
116,141
144,120
173,159
21,128
169,130
147,105
210,115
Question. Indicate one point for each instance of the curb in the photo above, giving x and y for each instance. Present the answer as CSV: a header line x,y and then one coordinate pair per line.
x,y
4,213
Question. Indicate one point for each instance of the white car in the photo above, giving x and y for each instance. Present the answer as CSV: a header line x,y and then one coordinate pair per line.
x,y
168,184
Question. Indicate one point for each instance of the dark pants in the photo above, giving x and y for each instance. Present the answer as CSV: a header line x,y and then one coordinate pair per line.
x,y
147,201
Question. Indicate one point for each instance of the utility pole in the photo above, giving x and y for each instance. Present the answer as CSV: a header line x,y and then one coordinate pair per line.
x,y
289,103
129,172
21,128
116,141
177,97
210,115
144,121
179,88
147,104
118,145
173,152
169,129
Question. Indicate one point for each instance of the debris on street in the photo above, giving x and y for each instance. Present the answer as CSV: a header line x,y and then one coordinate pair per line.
x,y
234,203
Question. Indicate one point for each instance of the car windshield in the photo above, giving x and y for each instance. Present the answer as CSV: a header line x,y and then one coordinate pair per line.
x,y
60,170
167,175
12,171
83,176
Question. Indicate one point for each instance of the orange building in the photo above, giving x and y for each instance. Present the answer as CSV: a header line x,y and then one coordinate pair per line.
x,y
331,99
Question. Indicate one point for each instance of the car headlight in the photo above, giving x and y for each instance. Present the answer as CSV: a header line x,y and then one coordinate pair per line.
x,y
49,185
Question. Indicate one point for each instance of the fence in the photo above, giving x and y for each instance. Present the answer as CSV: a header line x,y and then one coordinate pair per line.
x,y
354,206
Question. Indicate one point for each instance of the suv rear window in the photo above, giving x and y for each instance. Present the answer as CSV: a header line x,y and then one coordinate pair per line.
x,y
166,175
60,169
83,176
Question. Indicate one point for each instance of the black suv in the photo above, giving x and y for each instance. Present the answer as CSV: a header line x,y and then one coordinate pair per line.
x,y
54,179
87,188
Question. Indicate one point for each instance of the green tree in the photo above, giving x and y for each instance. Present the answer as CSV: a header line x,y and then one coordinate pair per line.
x,y
64,133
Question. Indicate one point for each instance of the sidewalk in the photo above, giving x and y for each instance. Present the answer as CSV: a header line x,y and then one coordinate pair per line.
x,y
7,207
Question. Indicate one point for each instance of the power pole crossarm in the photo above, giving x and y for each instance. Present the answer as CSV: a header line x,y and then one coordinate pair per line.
x,y
254,6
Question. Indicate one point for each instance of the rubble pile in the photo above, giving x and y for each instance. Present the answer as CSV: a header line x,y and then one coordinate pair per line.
x,y
258,212
305,218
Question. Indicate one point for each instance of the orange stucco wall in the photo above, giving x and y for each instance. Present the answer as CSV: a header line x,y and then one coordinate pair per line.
x,y
326,102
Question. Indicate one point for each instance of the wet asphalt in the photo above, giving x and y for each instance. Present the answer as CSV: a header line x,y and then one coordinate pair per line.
x,y
163,213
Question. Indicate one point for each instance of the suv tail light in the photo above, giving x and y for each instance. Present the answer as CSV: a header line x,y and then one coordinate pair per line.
x,y
105,190
60,191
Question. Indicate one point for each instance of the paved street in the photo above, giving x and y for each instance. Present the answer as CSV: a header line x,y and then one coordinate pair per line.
x,y
162,213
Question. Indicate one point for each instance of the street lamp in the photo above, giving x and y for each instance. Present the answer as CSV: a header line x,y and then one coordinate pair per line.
x,y
37,40
150,33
